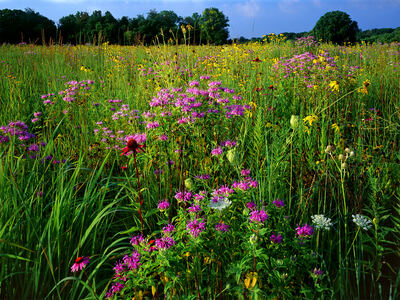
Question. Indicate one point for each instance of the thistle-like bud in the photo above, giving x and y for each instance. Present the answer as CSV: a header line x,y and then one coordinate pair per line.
x,y
347,150
343,166
233,156
294,121
189,183
341,157
328,149
351,153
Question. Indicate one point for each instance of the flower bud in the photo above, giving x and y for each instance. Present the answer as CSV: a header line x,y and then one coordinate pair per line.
x,y
347,150
189,184
233,157
294,121
351,153
328,149
341,157
343,166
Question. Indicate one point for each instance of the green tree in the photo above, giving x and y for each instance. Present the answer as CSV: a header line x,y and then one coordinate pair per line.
x,y
336,27
214,26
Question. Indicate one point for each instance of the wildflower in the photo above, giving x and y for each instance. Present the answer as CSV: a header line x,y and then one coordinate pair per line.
x,y
222,227
233,157
137,240
216,151
334,85
251,205
132,262
258,216
219,203
195,227
278,203
133,146
328,149
318,272
183,196
294,121
257,60
164,243
310,119
245,172
321,222
362,221
163,205
115,288
168,228
304,231
80,263
276,239
194,208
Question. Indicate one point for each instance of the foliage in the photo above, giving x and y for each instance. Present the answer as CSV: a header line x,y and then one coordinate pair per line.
x,y
335,27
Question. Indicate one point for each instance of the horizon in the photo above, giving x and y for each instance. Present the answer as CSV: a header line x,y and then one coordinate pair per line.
x,y
246,18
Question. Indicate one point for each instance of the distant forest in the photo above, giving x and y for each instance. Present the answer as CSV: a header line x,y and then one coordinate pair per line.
x,y
17,26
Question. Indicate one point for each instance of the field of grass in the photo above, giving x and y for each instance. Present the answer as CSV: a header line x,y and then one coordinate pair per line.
x,y
260,171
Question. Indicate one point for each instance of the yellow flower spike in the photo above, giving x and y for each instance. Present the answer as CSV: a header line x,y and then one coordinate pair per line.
x,y
334,85
153,290
336,127
310,119
251,280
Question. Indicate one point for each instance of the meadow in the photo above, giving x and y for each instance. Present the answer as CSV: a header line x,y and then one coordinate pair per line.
x,y
266,170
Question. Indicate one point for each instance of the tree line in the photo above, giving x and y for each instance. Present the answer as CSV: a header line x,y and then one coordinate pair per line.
x,y
166,26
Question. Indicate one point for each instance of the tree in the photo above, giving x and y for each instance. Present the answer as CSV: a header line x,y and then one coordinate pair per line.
x,y
336,27
214,26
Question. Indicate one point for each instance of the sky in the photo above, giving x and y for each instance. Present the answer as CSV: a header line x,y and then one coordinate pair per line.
x,y
248,18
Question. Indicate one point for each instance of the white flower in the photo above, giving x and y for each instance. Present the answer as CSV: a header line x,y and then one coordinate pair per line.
x,y
362,221
221,204
321,222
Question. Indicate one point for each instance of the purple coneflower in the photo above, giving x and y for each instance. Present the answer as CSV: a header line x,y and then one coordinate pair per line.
x,y
80,263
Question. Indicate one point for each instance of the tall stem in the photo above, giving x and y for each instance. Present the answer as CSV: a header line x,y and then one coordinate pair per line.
x,y
140,193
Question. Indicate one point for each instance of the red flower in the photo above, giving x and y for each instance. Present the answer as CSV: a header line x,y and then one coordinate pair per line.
x,y
256,60
132,146
271,87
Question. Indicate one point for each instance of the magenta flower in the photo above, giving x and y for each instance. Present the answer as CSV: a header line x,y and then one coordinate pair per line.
x,y
276,239
251,205
245,172
164,243
168,228
195,227
258,216
137,240
163,205
304,231
194,208
80,263
278,203
222,227
115,288
216,151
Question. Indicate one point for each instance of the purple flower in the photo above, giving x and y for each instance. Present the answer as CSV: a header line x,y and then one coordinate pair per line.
x,y
251,205
216,151
222,227
318,272
163,205
258,216
245,172
276,239
115,288
195,227
278,203
194,208
137,240
34,120
80,263
183,196
168,229
304,231
133,261
164,243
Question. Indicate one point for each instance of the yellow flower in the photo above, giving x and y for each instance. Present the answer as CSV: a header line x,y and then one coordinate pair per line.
x,y
336,127
310,119
334,85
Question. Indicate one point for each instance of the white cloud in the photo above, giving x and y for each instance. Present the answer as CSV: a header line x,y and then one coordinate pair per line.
x,y
249,9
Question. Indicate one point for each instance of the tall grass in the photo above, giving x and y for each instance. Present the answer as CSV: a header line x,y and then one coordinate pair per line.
x,y
84,204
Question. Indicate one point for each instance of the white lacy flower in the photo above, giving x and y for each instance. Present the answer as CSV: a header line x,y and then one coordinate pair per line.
x,y
220,204
321,222
362,221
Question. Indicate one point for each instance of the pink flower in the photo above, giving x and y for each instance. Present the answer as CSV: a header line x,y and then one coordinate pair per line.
x,y
80,263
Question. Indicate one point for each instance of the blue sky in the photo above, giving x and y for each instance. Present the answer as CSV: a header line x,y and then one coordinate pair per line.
x,y
248,18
